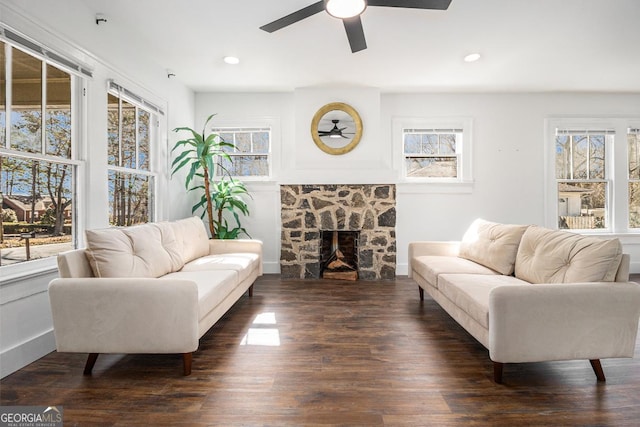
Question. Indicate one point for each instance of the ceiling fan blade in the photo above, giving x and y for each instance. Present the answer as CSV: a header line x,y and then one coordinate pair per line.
x,y
412,4
355,33
294,17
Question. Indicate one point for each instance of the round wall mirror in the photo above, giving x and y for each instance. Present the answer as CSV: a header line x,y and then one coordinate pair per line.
x,y
336,128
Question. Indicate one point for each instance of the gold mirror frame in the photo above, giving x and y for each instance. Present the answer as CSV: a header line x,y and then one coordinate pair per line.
x,y
340,107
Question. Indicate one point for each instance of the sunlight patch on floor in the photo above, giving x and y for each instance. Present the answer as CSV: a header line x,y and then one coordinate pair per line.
x,y
258,334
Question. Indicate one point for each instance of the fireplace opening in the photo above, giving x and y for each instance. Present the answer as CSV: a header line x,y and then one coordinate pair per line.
x,y
339,254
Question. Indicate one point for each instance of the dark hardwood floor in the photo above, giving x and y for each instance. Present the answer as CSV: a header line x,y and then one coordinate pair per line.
x,y
330,353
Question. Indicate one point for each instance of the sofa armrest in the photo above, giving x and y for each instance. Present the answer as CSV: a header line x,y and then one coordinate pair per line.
x,y
230,246
424,248
564,321
124,315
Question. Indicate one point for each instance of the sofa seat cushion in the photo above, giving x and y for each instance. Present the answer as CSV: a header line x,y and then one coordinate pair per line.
x,y
432,266
213,286
493,245
242,263
552,256
470,292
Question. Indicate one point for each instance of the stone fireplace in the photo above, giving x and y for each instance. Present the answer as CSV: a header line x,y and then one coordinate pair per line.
x,y
307,210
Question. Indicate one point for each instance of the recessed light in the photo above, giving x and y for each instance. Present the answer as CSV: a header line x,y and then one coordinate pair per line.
x,y
472,57
231,60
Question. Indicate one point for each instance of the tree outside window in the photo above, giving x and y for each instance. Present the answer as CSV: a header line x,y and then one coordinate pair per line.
x,y
633,143
37,170
431,153
250,155
130,181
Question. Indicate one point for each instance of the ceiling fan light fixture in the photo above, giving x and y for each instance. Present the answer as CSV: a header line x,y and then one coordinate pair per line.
x,y
345,8
472,57
231,60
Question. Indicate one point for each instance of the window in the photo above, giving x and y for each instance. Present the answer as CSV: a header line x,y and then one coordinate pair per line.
x,y
38,165
431,153
593,176
582,178
633,143
130,132
251,155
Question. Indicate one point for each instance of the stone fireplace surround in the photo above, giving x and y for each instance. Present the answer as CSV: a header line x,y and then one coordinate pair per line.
x,y
368,208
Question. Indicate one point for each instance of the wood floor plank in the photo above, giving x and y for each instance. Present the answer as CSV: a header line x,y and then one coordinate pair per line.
x,y
328,352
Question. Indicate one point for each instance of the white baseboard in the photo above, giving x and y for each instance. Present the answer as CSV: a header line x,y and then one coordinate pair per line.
x,y
29,351
402,269
270,267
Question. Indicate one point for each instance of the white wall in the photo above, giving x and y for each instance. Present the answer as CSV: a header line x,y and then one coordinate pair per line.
x,y
25,317
508,155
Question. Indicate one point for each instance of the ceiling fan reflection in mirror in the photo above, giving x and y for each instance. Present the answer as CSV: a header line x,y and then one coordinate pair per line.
x,y
349,11
335,132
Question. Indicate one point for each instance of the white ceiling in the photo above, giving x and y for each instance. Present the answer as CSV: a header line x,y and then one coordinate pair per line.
x,y
526,45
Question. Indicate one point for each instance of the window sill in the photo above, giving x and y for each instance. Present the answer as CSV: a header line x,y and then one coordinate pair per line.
x,y
262,185
435,187
27,270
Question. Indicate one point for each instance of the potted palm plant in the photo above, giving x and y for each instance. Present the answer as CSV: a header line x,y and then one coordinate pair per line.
x,y
202,154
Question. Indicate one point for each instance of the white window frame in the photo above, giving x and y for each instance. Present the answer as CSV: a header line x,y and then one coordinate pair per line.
x,y
616,165
124,94
631,131
252,129
463,183
78,75
271,123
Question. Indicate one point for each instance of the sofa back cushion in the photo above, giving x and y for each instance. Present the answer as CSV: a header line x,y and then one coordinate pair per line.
x,y
552,256
127,252
493,245
191,238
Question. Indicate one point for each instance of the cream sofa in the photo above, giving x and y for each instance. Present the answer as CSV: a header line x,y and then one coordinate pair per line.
x,y
530,294
152,288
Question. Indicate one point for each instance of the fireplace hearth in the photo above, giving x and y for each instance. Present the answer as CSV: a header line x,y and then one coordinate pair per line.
x,y
368,209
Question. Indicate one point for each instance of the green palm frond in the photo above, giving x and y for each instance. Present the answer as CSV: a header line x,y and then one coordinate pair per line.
x,y
203,156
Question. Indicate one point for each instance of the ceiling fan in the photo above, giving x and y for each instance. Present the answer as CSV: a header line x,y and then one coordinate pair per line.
x,y
349,11
335,132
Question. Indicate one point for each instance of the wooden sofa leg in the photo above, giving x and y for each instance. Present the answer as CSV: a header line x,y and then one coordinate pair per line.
x,y
186,361
421,293
597,368
497,372
91,361
251,290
